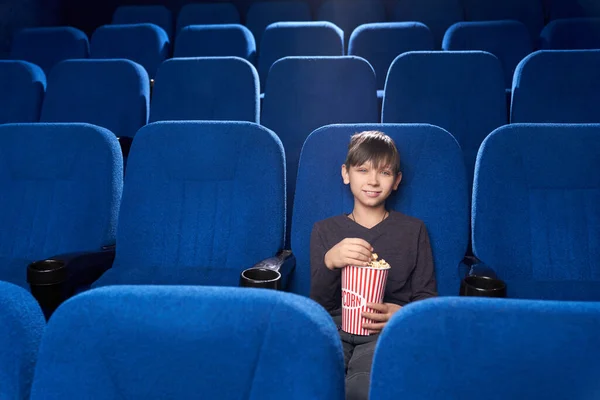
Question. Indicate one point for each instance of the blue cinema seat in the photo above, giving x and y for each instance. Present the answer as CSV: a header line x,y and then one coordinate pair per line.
x,y
434,189
181,342
206,88
474,348
536,207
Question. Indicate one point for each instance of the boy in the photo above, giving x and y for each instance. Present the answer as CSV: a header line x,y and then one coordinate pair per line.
x,y
372,169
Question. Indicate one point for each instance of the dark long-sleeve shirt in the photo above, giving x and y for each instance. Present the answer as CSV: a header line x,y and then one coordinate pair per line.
x,y
400,240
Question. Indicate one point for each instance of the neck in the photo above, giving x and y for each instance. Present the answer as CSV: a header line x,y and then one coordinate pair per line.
x,y
367,216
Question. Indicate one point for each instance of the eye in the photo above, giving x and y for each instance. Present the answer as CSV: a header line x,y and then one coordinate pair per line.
x,y
362,170
386,173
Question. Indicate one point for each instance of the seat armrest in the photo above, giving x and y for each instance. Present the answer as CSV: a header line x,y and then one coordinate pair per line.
x,y
283,262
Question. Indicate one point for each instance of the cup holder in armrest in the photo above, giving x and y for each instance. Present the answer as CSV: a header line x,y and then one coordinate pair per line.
x,y
47,280
482,286
261,278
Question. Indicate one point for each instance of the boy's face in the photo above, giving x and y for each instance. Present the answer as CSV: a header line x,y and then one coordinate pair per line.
x,y
371,186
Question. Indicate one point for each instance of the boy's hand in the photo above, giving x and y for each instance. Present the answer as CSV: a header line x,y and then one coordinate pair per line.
x,y
379,320
349,251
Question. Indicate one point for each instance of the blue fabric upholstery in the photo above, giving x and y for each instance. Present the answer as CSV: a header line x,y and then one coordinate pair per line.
x,y
263,13
61,188
215,41
221,88
182,342
21,327
22,88
381,43
557,86
474,348
46,47
114,94
508,40
462,92
573,9
305,93
433,188
536,209
206,14
158,15
203,201
529,12
438,15
349,15
289,39
145,44
571,34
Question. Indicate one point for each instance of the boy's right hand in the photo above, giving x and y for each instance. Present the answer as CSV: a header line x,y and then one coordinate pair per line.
x,y
350,251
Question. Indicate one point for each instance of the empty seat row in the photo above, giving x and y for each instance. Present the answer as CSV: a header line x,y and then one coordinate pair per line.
x,y
378,43
233,343
348,15
205,200
462,92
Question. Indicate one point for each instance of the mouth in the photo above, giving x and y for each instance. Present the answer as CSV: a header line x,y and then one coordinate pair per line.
x,y
372,193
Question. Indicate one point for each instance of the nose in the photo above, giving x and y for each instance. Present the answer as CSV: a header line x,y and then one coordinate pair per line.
x,y
373,178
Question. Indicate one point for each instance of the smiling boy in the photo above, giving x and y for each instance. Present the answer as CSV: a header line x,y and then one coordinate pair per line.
x,y
372,170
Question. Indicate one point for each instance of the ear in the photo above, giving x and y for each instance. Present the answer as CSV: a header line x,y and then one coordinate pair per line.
x,y
345,175
398,180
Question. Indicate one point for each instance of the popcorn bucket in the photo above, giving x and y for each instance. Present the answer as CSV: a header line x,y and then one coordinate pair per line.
x,y
360,285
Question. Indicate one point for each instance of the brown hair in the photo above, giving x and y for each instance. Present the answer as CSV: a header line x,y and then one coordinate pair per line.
x,y
373,146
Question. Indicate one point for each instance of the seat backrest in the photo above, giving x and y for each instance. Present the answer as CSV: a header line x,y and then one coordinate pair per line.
x,y
462,92
290,39
48,46
146,44
349,15
381,43
508,40
431,163
207,14
263,13
114,94
224,40
22,88
61,191
272,345
571,34
557,86
529,12
523,345
438,15
155,14
203,202
205,88
21,328
540,234
305,93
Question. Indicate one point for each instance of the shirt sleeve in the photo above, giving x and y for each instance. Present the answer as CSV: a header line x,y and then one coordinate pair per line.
x,y
423,281
323,281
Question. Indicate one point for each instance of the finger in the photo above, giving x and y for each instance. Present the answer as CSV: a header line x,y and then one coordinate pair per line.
x,y
360,249
358,255
375,317
378,307
355,261
375,327
360,242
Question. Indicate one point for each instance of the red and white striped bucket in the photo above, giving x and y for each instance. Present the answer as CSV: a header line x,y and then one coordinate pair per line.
x,y
360,285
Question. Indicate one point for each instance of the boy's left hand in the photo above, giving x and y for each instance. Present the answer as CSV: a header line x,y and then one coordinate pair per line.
x,y
386,310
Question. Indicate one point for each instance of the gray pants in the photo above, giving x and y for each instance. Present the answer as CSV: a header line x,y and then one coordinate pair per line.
x,y
358,357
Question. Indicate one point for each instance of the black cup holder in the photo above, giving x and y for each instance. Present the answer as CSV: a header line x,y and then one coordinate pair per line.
x,y
261,278
482,286
47,281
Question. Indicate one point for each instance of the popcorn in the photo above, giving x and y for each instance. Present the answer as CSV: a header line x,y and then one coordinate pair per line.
x,y
381,264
